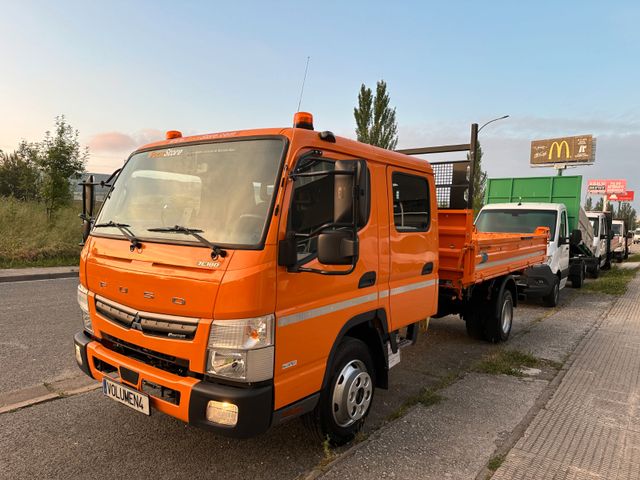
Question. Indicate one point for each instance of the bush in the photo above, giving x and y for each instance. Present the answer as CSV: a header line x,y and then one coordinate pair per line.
x,y
28,238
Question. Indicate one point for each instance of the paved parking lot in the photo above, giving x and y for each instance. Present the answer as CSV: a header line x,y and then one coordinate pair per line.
x,y
87,434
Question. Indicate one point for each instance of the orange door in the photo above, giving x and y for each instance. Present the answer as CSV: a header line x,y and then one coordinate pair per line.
x,y
413,268
311,309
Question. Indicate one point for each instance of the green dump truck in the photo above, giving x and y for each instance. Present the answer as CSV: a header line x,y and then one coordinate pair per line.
x,y
522,204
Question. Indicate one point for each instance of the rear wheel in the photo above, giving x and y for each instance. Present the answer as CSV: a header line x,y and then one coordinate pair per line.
x,y
473,322
498,323
552,299
577,280
346,399
595,271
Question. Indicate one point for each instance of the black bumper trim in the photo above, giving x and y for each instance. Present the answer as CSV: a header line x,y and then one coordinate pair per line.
x,y
255,408
536,281
81,339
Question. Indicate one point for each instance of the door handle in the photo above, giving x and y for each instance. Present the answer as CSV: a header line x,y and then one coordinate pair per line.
x,y
427,269
368,279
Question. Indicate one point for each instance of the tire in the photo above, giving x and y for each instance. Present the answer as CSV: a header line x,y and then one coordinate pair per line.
x,y
498,322
595,272
552,299
473,322
346,399
578,280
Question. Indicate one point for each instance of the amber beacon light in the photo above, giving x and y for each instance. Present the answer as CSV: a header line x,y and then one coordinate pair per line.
x,y
171,134
303,120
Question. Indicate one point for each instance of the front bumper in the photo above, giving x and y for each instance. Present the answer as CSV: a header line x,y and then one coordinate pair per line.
x,y
536,281
255,404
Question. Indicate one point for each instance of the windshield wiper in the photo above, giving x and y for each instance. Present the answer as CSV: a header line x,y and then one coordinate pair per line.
x,y
124,228
216,251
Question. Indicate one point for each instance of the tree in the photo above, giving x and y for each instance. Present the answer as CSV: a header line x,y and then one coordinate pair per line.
x,y
375,119
588,204
598,207
479,181
60,158
19,177
628,214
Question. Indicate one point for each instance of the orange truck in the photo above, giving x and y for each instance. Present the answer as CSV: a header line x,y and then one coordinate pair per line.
x,y
237,280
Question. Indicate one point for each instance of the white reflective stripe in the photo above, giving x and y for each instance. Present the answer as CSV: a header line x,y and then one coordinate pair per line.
x,y
413,286
384,293
333,307
495,263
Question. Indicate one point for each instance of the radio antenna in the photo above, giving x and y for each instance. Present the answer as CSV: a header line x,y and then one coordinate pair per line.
x,y
304,79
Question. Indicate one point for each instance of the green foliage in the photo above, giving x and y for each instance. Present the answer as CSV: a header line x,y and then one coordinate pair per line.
x,y
479,181
627,214
612,282
60,158
598,207
507,362
588,204
19,177
375,119
495,462
27,238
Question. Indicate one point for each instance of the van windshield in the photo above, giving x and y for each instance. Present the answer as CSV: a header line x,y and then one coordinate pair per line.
x,y
223,189
617,228
516,221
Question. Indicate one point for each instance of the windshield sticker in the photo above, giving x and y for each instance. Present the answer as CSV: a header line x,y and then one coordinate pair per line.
x,y
170,152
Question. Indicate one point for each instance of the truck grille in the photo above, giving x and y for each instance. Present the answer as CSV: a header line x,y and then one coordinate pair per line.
x,y
170,326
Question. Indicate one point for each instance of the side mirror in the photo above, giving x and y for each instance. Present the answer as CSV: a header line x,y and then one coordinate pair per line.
x,y
576,237
563,240
88,204
603,236
337,247
611,235
629,234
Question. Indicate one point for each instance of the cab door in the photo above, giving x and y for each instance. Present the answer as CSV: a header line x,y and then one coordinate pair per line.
x,y
564,248
311,308
413,247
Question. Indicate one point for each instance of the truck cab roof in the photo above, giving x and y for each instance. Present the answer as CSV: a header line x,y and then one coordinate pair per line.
x,y
525,206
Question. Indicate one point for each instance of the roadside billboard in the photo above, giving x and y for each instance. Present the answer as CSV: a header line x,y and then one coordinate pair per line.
x,y
579,150
622,197
606,187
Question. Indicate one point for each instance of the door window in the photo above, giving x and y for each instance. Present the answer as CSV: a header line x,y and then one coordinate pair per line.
x,y
411,211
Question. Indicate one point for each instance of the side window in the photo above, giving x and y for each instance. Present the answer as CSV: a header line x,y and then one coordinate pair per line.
x,y
563,224
410,203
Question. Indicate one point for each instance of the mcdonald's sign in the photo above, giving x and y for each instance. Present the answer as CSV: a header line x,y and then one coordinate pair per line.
x,y
573,150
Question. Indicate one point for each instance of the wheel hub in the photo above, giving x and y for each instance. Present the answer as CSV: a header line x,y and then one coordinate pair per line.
x,y
507,315
352,394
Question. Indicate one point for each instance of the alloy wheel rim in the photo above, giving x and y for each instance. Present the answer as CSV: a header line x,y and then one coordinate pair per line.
x,y
507,315
352,394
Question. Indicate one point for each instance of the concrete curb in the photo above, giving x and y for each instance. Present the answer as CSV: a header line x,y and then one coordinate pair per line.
x,y
42,274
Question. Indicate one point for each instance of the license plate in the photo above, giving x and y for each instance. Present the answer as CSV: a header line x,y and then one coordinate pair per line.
x,y
126,395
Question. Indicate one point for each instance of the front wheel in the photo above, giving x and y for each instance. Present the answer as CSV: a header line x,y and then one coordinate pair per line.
x,y
552,299
577,280
346,399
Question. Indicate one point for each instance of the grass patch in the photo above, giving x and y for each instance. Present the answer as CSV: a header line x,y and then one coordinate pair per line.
x,y
612,282
634,257
507,362
496,462
426,397
29,239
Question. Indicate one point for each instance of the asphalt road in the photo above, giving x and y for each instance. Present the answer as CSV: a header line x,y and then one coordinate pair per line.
x,y
89,435
37,323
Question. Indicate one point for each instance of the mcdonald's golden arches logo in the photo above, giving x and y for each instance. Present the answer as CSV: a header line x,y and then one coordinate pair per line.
x,y
558,147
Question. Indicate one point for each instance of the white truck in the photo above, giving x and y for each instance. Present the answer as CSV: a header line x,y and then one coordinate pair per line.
x,y
636,236
621,240
602,235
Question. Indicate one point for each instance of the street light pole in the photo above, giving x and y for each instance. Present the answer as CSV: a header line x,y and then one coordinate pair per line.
x,y
491,121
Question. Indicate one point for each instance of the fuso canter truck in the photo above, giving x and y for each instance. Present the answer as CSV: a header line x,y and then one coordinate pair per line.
x,y
237,280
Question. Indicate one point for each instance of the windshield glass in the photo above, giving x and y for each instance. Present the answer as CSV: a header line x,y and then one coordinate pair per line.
x,y
617,228
224,189
516,221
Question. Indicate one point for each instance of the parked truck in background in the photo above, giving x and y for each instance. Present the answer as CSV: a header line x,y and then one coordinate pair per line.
x,y
620,241
602,236
238,280
522,204
636,236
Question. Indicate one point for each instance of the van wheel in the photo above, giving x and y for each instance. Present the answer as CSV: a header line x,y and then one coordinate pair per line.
x,y
498,323
577,280
346,399
553,298
595,271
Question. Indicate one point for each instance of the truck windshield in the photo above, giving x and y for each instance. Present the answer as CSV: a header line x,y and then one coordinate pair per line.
x,y
516,221
594,224
223,189
617,229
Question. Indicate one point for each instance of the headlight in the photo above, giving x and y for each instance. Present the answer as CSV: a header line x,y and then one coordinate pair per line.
x,y
83,301
242,349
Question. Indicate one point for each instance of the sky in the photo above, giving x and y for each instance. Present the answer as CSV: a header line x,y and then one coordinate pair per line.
x,y
124,72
